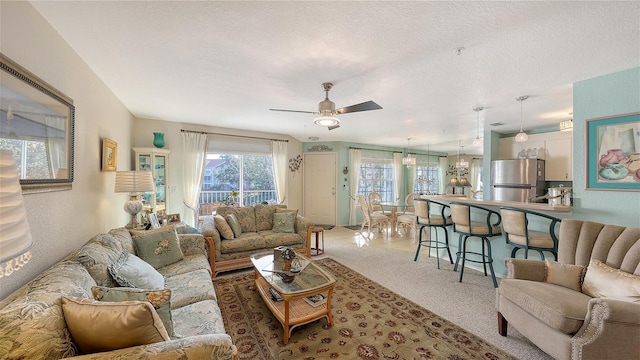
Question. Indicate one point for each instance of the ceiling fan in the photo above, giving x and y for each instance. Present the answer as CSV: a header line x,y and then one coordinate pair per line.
x,y
327,109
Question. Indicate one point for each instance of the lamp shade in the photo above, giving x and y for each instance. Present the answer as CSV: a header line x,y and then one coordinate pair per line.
x,y
453,182
464,182
15,235
134,182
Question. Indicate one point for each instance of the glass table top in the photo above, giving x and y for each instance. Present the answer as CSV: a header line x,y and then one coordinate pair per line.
x,y
310,278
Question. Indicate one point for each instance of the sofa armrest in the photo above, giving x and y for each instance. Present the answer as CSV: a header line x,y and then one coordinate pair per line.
x,y
611,330
193,244
303,226
212,237
210,346
525,269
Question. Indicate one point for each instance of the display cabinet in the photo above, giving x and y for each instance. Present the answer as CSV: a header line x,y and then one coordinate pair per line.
x,y
156,161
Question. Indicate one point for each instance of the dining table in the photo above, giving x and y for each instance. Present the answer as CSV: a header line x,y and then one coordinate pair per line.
x,y
394,209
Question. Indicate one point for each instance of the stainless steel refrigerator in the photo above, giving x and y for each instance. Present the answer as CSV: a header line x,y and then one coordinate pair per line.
x,y
517,180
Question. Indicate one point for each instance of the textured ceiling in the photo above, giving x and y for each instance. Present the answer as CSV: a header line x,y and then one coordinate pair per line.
x,y
226,63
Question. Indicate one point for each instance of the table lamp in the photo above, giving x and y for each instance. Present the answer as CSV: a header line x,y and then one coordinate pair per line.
x,y
15,235
134,183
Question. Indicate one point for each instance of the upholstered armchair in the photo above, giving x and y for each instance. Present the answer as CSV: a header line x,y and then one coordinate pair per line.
x,y
586,305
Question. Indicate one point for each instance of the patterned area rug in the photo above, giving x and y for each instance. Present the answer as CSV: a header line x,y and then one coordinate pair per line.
x,y
371,322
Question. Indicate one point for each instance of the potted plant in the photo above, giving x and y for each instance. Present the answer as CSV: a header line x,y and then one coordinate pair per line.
x,y
287,254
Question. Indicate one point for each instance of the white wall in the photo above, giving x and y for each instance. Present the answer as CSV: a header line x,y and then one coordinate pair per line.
x,y
62,221
143,130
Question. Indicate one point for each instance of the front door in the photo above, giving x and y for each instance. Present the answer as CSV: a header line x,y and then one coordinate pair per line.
x,y
319,199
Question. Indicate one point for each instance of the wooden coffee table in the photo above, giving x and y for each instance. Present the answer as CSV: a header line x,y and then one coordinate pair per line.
x,y
293,310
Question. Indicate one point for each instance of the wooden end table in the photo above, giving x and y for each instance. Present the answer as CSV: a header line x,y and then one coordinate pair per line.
x,y
293,310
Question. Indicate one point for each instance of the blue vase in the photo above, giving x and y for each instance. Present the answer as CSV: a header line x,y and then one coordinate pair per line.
x,y
158,140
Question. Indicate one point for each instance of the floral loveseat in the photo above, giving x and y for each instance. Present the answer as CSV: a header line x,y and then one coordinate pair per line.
x,y
257,234
34,325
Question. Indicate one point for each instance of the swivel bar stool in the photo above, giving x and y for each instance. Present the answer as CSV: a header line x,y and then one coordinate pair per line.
x,y
425,218
462,224
515,224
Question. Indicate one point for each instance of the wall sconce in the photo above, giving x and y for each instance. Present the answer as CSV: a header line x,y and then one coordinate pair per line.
x,y
345,170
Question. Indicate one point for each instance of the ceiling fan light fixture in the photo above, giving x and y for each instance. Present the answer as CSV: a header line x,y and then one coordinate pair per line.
x,y
521,136
326,121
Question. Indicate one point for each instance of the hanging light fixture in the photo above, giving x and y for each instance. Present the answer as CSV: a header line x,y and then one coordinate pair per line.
x,y
410,160
566,125
477,141
521,136
461,163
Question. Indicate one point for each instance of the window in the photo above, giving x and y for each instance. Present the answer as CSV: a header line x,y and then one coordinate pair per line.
x,y
251,176
31,152
427,179
376,175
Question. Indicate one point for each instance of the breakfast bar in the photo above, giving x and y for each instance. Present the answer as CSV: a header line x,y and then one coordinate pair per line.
x,y
500,248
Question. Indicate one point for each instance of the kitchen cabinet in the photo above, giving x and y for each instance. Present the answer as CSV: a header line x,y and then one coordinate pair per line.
x,y
555,148
559,166
156,161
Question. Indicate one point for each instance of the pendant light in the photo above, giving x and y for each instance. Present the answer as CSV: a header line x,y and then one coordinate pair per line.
x,y
521,136
409,160
477,141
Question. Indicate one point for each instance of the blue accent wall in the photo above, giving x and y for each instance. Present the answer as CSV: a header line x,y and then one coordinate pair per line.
x,y
613,94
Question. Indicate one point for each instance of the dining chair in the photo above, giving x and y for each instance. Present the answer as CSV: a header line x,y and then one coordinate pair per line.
x,y
375,202
370,219
407,220
461,215
515,224
432,214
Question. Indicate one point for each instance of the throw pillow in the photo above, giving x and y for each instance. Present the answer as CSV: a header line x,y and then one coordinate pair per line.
x,y
601,280
295,211
131,271
566,275
159,247
160,299
104,326
283,222
233,222
183,228
223,227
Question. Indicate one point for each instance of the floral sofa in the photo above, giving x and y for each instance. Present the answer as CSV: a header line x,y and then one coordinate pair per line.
x,y
257,234
33,324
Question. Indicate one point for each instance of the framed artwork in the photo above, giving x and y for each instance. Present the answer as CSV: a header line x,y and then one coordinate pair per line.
x,y
613,153
173,218
33,111
109,155
153,220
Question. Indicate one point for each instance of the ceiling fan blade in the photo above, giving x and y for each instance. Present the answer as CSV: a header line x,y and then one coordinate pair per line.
x,y
296,111
365,106
333,127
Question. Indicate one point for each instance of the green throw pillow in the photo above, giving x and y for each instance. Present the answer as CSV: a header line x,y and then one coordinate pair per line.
x,y
159,247
131,271
233,222
160,299
283,222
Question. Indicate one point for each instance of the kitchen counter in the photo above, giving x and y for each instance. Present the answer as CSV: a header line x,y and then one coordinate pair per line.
x,y
540,207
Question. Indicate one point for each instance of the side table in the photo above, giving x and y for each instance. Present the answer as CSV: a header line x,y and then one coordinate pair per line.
x,y
319,231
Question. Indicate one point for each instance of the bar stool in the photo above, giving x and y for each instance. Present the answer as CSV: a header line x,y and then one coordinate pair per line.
x,y
462,224
425,218
515,224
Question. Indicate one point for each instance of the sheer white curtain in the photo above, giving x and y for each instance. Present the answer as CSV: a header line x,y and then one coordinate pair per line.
x,y
193,152
475,174
411,179
54,129
397,174
355,159
442,174
279,161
